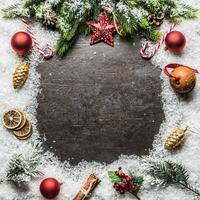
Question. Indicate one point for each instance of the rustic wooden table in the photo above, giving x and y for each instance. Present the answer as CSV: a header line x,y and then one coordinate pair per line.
x,y
99,102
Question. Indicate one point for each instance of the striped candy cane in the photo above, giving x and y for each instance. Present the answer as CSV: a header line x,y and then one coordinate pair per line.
x,y
158,45
49,50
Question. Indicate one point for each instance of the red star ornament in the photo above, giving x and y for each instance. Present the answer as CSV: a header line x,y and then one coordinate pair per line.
x,y
102,30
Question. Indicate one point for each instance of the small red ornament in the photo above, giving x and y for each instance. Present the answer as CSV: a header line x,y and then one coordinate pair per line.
x,y
102,30
175,41
21,42
50,188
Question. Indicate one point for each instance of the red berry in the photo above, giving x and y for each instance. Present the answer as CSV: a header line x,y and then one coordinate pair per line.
x,y
128,179
123,175
124,186
119,185
133,187
121,191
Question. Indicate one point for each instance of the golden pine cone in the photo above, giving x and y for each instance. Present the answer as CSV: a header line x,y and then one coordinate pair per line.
x,y
175,138
20,75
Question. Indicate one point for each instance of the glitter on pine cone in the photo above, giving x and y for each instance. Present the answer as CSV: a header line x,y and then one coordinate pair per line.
x,y
175,139
20,75
183,79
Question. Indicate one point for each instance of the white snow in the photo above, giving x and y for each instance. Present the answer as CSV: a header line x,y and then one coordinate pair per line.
x,y
178,112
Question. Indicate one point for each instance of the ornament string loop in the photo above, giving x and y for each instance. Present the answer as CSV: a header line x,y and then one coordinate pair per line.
x,y
148,56
173,66
108,8
46,52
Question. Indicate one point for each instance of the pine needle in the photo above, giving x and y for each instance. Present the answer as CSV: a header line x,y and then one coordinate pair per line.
x,y
169,173
21,169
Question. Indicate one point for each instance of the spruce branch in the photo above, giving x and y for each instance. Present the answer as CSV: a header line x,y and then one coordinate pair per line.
x,y
21,169
70,16
181,12
10,11
169,173
190,188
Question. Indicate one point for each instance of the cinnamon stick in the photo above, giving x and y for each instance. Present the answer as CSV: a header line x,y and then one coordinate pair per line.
x,y
87,187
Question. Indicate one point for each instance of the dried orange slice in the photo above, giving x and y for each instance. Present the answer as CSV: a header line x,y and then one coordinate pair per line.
x,y
24,118
12,119
25,131
24,138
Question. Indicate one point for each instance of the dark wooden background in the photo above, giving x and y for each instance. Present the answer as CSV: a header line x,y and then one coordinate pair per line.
x,y
99,102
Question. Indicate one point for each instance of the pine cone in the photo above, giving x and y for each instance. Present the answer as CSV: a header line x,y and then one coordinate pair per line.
x,y
156,19
20,75
50,19
175,138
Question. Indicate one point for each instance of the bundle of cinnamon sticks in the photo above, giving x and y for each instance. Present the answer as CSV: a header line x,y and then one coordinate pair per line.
x,y
87,187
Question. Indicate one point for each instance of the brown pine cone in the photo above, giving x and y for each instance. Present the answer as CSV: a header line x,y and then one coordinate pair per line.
x,y
50,19
156,19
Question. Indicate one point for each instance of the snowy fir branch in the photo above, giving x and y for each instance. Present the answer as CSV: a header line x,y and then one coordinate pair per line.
x,y
170,173
69,16
21,169
72,15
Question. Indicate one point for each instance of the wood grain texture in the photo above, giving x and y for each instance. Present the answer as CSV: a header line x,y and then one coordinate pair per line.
x,y
99,102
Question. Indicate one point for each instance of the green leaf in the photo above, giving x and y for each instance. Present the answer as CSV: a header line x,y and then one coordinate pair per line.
x,y
114,178
138,180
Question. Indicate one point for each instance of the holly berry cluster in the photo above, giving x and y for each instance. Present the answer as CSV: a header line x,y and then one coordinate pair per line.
x,y
125,183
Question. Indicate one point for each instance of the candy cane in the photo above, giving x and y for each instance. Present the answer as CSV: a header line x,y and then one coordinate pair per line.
x,y
158,45
49,53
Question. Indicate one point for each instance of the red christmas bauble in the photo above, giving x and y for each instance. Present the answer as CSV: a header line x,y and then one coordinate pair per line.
x,y
21,42
175,41
50,188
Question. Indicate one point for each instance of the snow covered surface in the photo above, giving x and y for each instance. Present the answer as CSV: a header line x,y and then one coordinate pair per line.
x,y
179,113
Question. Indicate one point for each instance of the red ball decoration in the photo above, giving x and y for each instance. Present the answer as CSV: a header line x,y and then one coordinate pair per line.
x,y
175,41
50,188
21,42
